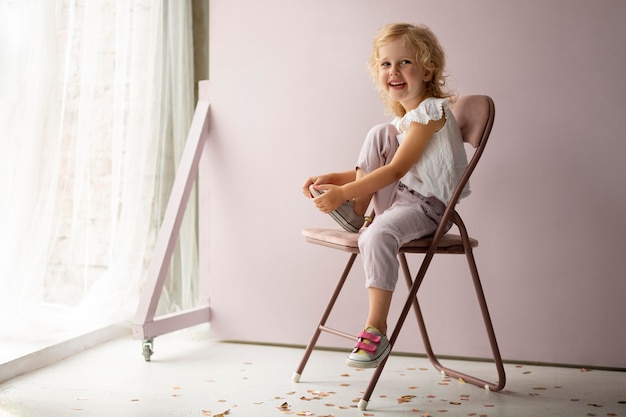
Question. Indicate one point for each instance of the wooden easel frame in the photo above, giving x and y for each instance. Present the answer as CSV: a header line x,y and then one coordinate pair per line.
x,y
192,167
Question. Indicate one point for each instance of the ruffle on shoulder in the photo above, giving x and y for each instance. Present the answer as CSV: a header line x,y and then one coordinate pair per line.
x,y
432,108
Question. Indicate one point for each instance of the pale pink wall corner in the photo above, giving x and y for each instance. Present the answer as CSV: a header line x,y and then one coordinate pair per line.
x,y
290,97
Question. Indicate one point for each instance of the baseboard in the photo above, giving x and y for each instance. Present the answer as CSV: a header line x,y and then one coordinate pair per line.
x,y
62,350
442,357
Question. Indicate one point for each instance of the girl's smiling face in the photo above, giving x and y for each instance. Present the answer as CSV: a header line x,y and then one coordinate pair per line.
x,y
401,75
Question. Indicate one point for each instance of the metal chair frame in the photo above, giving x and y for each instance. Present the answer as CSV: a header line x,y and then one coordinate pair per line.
x,y
475,115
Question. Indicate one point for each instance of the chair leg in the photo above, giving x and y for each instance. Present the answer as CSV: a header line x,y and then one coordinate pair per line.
x,y
488,327
495,350
322,323
396,331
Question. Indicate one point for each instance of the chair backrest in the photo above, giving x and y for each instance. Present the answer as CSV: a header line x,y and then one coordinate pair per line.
x,y
475,116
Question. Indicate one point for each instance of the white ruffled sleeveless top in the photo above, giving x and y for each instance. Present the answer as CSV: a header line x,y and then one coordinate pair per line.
x,y
444,160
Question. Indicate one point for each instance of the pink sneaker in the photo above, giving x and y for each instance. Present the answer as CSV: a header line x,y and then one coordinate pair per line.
x,y
371,349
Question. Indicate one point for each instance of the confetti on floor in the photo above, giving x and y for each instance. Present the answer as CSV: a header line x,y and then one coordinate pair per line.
x,y
204,378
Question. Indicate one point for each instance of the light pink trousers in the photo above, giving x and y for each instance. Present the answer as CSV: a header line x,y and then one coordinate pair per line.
x,y
401,214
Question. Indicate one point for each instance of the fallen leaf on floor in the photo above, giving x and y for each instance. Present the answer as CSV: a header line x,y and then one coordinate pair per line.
x,y
585,370
222,414
595,405
345,375
540,388
206,412
284,406
413,387
489,405
405,399
527,372
176,387
77,409
455,403
304,413
134,399
431,396
461,380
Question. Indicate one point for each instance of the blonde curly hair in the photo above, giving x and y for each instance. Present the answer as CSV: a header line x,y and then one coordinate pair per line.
x,y
428,52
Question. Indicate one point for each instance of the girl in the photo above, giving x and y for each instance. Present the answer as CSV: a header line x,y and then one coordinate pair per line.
x,y
407,169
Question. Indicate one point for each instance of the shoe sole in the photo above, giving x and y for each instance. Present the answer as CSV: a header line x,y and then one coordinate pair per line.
x,y
335,215
369,364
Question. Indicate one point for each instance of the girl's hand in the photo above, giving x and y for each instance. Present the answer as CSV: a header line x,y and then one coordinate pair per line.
x,y
320,179
332,197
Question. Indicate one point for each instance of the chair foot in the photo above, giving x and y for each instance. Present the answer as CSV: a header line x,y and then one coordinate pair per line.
x,y
362,404
296,377
487,387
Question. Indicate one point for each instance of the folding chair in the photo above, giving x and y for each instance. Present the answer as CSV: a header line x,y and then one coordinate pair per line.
x,y
475,116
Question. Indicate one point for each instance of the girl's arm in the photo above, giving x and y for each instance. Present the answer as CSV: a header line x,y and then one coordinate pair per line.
x,y
336,178
416,138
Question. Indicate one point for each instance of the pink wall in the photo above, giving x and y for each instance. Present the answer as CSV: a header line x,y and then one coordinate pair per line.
x,y
290,98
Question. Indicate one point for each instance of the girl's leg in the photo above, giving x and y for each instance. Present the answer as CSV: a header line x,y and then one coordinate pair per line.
x,y
410,217
378,149
379,303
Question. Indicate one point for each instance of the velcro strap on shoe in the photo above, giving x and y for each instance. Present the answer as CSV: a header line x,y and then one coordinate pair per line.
x,y
370,336
366,346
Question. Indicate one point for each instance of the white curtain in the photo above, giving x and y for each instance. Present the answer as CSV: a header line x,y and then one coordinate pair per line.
x,y
96,98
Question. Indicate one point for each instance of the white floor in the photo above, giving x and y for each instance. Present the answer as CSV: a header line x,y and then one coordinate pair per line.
x,y
207,378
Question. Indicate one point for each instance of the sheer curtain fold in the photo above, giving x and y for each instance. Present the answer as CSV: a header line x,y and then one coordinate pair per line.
x,y
96,101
